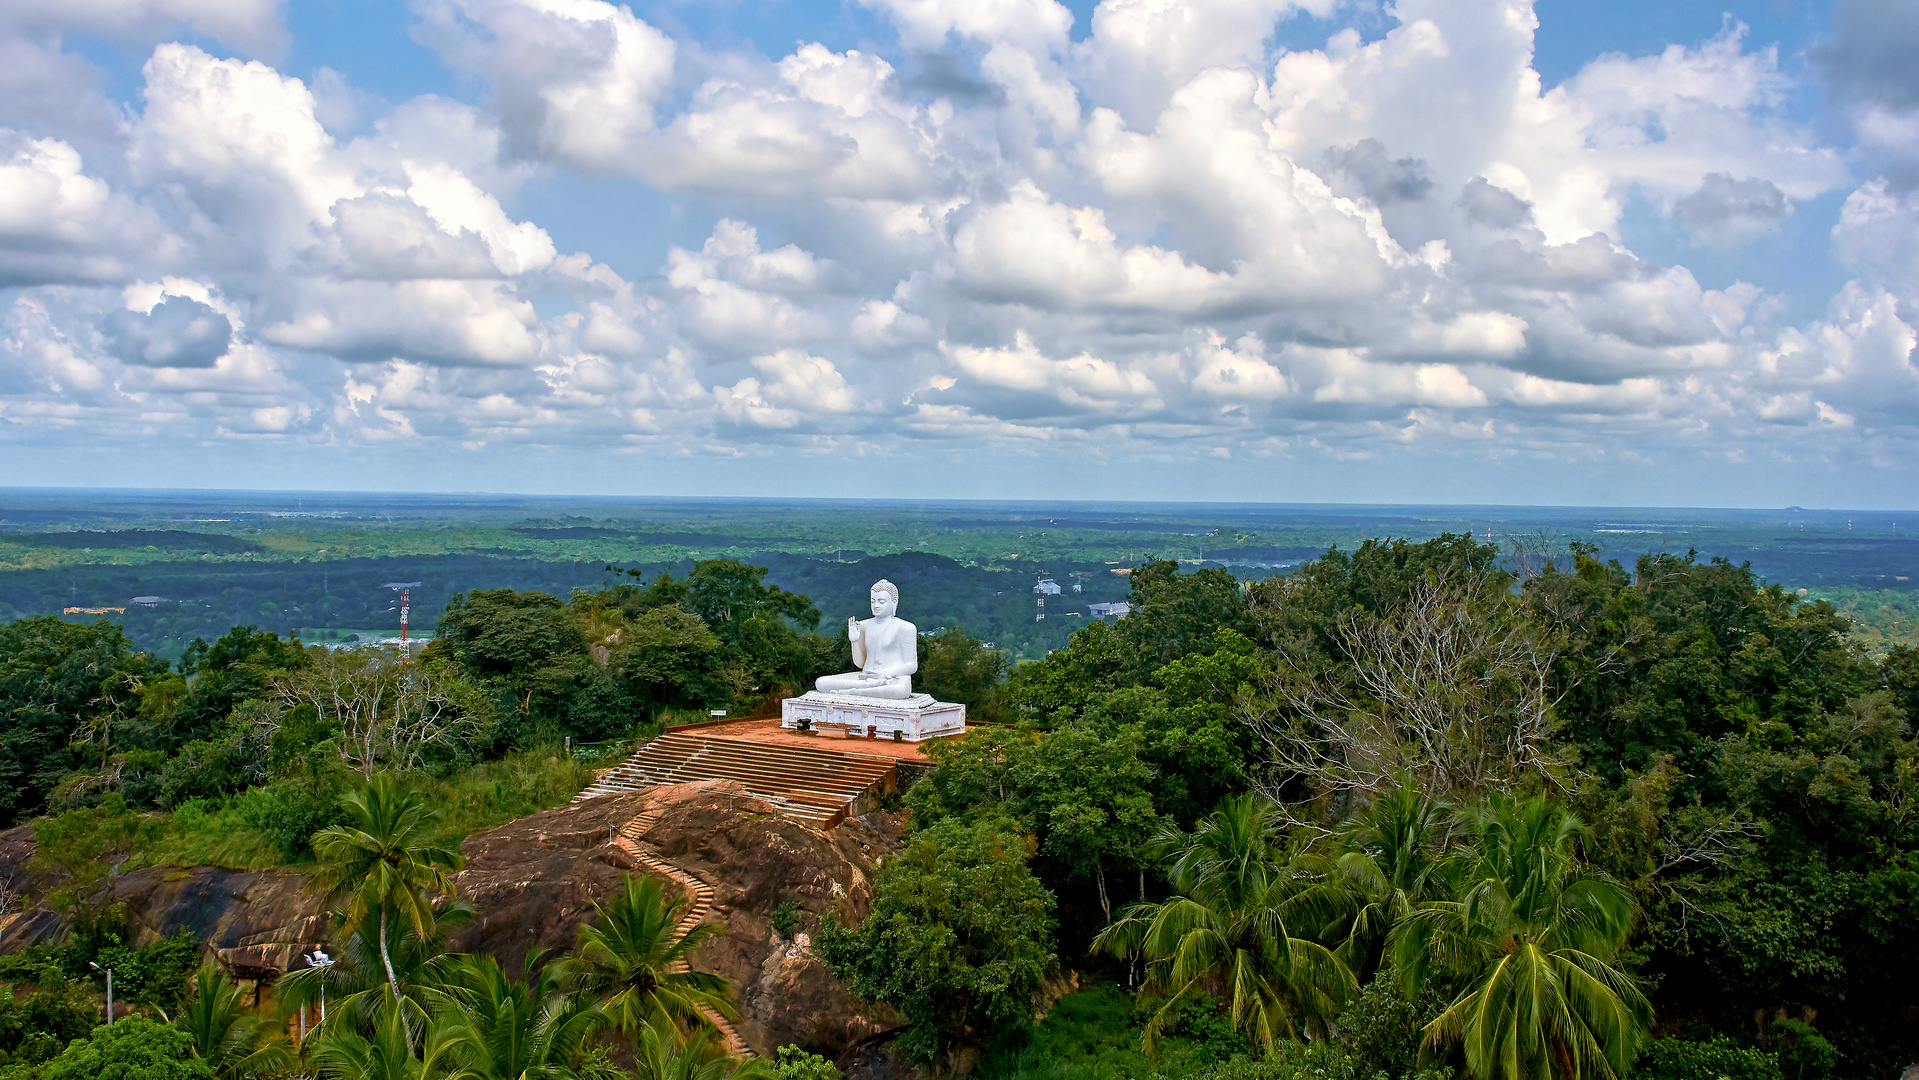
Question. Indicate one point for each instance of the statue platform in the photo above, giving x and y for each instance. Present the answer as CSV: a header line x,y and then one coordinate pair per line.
x,y
914,718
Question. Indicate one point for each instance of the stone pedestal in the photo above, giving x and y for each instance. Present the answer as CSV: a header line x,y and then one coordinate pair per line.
x,y
915,718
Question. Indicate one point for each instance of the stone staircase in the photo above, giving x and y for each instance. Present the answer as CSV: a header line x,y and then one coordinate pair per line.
x,y
818,787
629,839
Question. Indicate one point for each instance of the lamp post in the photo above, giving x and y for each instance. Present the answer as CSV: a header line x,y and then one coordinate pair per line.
x,y
109,972
318,958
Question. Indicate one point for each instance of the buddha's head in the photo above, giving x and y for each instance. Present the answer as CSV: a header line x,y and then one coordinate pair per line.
x,y
885,597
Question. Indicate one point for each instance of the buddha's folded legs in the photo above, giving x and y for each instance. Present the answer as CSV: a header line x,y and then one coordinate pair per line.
x,y
900,686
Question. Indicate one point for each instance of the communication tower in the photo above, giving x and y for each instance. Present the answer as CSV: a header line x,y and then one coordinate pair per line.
x,y
403,586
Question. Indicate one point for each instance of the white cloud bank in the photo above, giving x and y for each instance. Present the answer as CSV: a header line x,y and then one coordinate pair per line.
x,y
1163,242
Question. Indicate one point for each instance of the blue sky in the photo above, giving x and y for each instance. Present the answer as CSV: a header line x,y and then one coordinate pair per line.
x,y
1444,250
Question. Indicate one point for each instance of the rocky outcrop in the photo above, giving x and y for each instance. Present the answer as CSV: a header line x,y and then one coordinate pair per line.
x,y
255,921
534,882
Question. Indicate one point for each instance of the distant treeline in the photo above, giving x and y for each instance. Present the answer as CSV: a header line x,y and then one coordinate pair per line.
x,y
206,599
167,539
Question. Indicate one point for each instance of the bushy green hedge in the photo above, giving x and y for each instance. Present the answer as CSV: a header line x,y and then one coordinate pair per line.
x,y
133,1049
1718,1059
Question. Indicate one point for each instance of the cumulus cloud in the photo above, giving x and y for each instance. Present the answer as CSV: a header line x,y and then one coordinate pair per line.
x,y
1725,210
1169,237
1029,23
254,25
177,332
57,223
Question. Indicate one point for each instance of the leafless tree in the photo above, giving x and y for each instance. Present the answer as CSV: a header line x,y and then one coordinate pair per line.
x,y
428,717
1451,687
352,688
390,711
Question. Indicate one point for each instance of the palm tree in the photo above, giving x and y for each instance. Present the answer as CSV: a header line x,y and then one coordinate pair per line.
x,y
341,1053
231,1038
354,985
1225,929
1535,938
664,1052
531,1029
384,864
633,960
1393,860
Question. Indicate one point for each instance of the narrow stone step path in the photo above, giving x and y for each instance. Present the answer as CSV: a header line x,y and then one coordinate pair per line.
x,y
629,839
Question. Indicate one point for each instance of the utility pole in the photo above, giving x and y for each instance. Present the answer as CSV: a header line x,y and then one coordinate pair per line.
x,y
109,972
318,958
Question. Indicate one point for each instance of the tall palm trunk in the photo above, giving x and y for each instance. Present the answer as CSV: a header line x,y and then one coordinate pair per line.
x,y
386,960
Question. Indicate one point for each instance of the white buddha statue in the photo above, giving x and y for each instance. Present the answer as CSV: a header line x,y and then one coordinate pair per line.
x,y
886,647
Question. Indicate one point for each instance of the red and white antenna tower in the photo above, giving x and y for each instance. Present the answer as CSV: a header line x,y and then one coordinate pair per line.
x,y
403,586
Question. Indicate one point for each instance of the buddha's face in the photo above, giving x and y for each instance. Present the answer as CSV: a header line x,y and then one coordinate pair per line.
x,y
883,603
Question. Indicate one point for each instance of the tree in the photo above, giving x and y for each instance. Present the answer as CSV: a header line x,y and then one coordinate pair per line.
x,y
242,665
342,1053
956,667
664,1052
1056,688
1297,613
354,985
1451,686
384,864
958,938
60,680
1392,861
796,1064
135,1048
1535,938
1225,932
1084,795
389,712
502,1029
727,593
506,635
632,958
37,1028
1680,654
671,657
233,1040
1175,614
1200,743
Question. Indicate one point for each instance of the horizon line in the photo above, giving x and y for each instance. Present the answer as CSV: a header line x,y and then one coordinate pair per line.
x,y
921,500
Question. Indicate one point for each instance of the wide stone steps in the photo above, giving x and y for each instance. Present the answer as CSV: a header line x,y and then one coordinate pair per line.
x,y
818,787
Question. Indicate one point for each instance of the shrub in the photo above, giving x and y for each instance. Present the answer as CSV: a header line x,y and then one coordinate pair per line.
x,y
1718,1059
206,769
289,814
133,1049
796,1064
34,1029
1289,1061
1201,1021
786,919
155,974
1382,1028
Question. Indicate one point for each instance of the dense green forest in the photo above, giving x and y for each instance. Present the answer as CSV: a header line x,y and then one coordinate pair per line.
x,y
1416,809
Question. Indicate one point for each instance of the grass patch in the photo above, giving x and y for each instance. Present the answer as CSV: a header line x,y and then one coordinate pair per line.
x,y
1093,1034
205,832
495,792
265,827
